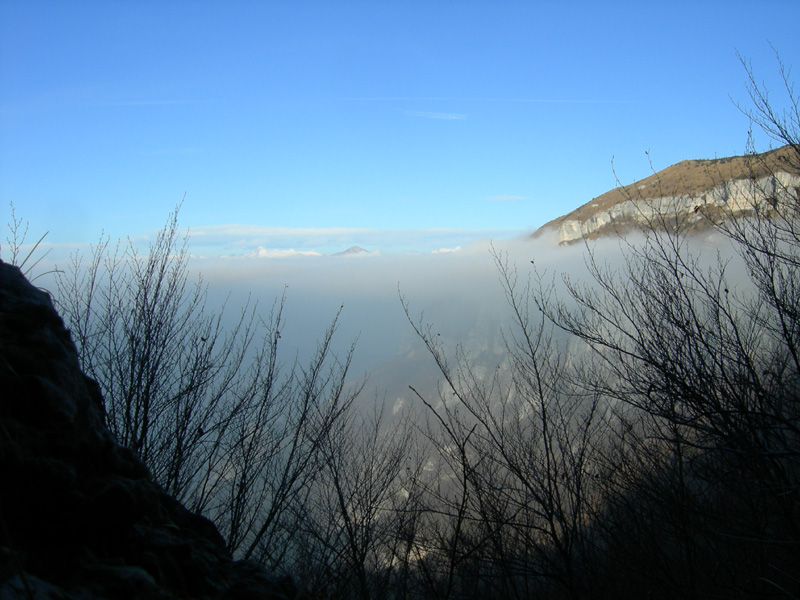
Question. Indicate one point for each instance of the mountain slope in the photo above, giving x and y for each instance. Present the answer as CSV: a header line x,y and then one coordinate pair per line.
x,y
351,251
718,185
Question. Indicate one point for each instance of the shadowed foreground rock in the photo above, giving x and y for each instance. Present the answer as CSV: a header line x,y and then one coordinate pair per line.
x,y
80,517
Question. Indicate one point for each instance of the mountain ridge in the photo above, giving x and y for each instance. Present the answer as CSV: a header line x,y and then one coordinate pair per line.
x,y
680,190
351,251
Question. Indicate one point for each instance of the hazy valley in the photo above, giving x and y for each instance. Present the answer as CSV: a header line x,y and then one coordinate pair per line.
x,y
516,418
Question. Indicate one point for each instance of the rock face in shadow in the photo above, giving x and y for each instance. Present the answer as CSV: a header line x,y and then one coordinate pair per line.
x,y
80,516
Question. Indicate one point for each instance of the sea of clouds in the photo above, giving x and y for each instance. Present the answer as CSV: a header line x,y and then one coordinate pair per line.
x,y
455,290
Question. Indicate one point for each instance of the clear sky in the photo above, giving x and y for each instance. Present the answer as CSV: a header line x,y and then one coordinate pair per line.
x,y
395,125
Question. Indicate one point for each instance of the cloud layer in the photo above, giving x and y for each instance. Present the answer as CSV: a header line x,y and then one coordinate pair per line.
x,y
255,240
457,289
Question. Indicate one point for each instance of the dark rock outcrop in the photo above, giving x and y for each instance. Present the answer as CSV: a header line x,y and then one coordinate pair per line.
x,y
80,516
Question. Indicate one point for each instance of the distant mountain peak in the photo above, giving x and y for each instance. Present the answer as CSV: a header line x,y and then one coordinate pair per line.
x,y
681,191
351,251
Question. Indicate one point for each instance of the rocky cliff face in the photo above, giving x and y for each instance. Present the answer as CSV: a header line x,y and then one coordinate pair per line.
x,y
80,517
687,193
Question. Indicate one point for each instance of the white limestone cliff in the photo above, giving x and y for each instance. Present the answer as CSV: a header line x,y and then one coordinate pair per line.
x,y
736,196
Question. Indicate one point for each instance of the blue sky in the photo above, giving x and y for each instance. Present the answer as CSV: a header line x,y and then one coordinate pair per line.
x,y
397,126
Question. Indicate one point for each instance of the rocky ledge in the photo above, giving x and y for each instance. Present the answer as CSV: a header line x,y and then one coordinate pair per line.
x,y
734,198
80,517
689,195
